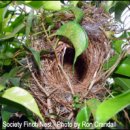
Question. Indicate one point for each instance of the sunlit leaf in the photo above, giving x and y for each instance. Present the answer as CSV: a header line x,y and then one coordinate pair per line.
x,y
123,82
124,67
93,105
117,45
52,5
83,116
2,87
109,108
77,12
75,33
23,98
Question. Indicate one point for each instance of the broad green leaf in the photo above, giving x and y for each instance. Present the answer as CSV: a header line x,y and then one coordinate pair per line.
x,y
119,8
23,98
124,67
123,82
77,12
15,31
74,3
52,5
83,116
110,62
2,16
93,105
117,45
2,87
4,3
76,34
1,19
124,35
17,21
29,23
36,55
6,113
109,108
33,4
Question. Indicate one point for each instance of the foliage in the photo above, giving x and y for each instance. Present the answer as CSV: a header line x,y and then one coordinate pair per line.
x,y
16,28
77,36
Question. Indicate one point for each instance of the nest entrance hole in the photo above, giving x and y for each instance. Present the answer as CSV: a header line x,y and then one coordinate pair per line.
x,y
80,68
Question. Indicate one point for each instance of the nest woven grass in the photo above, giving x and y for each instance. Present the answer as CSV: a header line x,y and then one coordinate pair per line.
x,y
87,80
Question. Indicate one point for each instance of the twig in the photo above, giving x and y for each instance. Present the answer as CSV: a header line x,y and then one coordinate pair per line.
x,y
91,84
34,77
49,104
70,116
67,78
110,70
115,65
126,115
65,75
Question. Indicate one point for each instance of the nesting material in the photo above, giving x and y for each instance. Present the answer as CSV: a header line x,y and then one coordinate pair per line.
x,y
86,81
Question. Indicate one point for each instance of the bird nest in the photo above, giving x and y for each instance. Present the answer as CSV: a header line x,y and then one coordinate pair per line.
x,y
55,85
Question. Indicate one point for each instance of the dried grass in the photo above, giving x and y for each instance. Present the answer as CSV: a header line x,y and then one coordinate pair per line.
x,y
88,68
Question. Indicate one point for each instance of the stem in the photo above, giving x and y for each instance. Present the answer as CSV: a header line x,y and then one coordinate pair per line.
x,y
65,75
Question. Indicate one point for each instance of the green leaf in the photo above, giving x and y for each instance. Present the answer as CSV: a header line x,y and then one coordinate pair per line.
x,y
74,3
17,21
4,3
29,23
83,116
93,105
11,76
23,98
33,4
117,45
124,67
77,12
119,8
76,34
1,19
15,31
109,108
36,55
109,63
123,82
2,87
52,5
6,112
